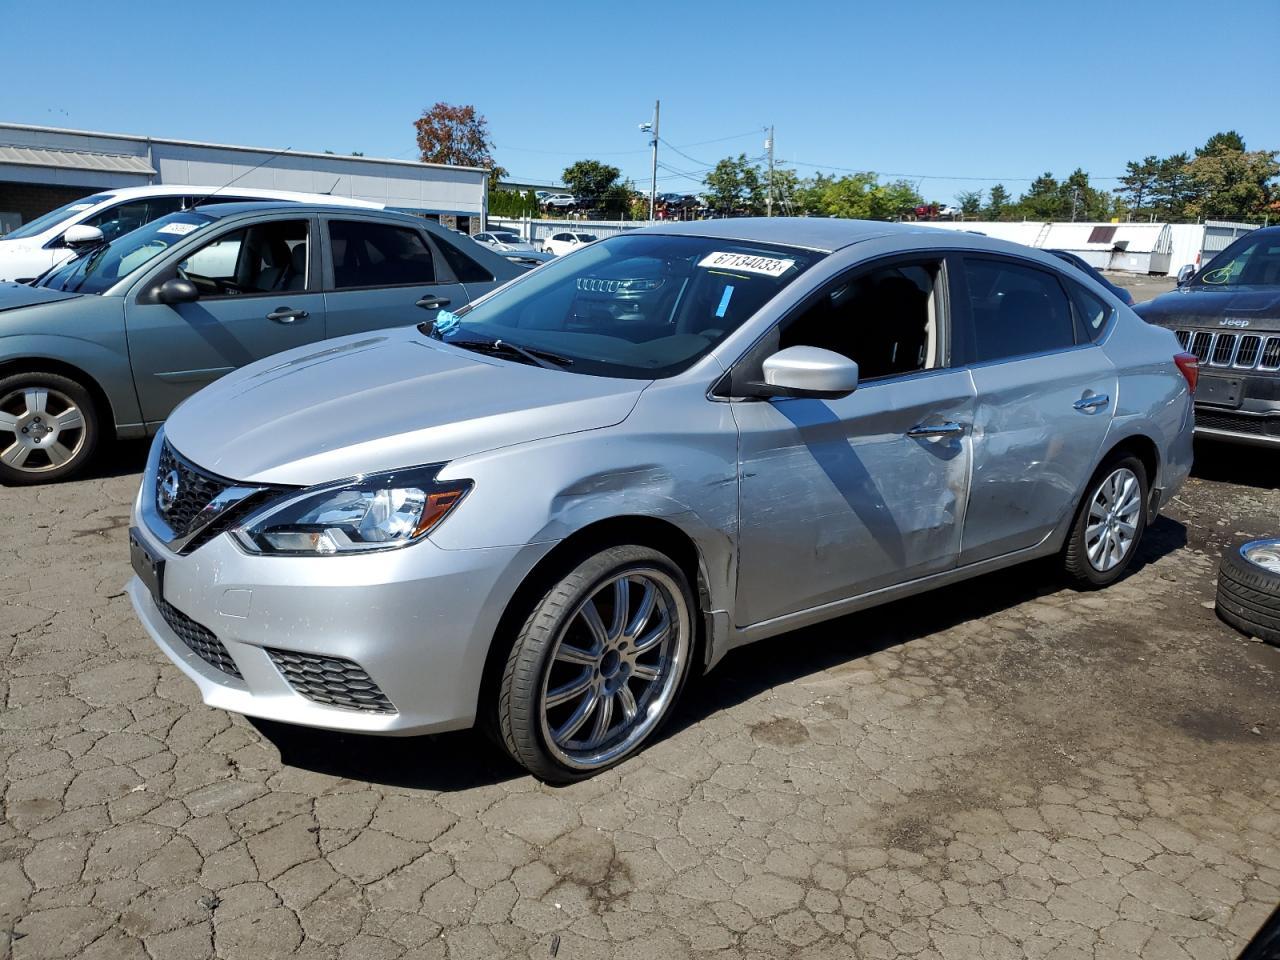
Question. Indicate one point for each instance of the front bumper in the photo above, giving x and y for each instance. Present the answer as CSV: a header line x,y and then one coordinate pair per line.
x,y
1252,417
417,621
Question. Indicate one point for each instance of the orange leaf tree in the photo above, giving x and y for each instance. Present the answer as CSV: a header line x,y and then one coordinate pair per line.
x,y
456,135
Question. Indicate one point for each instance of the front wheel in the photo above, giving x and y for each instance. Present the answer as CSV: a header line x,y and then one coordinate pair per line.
x,y
48,427
1109,523
598,664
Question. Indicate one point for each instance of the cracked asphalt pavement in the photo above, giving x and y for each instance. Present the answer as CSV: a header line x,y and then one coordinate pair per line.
x,y
1007,768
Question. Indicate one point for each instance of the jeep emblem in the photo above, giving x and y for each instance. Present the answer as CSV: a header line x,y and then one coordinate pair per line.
x,y
1233,322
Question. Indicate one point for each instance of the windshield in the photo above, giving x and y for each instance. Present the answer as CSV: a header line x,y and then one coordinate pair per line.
x,y
54,217
640,305
106,265
506,238
1250,261
586,237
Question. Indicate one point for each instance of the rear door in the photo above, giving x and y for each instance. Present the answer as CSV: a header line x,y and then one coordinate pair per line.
x,y
377,272
258,296
1045,395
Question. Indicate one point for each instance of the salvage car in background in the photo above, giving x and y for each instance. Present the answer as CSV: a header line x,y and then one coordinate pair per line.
x,y
34,247
546,511
567,241
113,340
1228,315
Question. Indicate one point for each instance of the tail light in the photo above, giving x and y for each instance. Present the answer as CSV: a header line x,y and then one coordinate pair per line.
x,y
1189,364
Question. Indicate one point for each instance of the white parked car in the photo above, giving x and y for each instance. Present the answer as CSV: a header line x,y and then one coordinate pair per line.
x,y
566,241
504,241
34,247
560,201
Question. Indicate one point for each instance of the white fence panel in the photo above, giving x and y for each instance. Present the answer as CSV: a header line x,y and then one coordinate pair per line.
x,y
537,230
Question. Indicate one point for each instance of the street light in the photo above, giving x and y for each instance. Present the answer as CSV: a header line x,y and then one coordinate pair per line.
x,y
651,126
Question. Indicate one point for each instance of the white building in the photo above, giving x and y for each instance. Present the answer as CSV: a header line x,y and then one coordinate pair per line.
x,y
44,167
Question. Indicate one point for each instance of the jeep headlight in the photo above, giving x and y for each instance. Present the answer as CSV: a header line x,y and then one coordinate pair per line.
x,y
383,511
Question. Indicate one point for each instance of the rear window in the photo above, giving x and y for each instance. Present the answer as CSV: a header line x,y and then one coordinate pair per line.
x,y
378,255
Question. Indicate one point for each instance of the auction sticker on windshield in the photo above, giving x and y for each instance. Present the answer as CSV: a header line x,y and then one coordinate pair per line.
x,y
747,263
178,229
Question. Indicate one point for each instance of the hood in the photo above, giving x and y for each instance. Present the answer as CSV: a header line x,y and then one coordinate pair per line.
x,y
1251,308
367,403
14,295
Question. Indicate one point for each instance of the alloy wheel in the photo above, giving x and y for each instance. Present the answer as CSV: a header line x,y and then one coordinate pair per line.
x,y
41,429
615,668
1114,510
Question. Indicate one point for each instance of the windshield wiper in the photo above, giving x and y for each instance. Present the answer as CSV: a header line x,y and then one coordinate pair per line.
x,y
535,355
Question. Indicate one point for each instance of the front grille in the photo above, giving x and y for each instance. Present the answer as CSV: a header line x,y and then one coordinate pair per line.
x,y
1234,422
199,638
1224,345
1244,352
334,681
194,489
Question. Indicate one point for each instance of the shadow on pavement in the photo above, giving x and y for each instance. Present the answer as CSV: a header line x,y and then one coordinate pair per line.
x,y
1240,463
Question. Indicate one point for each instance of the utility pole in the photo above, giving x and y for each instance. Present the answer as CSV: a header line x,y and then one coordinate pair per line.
x,y
653,176
1075,197
768,203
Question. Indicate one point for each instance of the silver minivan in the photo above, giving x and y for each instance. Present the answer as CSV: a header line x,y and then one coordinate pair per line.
x,y
545,510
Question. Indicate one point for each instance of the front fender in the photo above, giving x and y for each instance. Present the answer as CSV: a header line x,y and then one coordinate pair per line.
x,y
99,360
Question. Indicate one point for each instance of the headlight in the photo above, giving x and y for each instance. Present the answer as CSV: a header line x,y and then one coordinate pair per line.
x,y
1265,553
382,511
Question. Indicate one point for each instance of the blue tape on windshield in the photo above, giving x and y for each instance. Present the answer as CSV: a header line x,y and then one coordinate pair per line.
x,y
724,301
446,321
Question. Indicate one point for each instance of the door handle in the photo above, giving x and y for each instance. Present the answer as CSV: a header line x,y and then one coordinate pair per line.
x,y
433,303
1094,401
948,429
287,315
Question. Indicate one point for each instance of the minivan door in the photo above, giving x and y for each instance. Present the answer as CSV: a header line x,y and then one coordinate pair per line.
x,y
1045,395
844,497
255,300
379,273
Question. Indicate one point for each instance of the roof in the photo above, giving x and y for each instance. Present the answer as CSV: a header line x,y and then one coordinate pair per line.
x,y
220,210
265,193
75,160
229,146
812,233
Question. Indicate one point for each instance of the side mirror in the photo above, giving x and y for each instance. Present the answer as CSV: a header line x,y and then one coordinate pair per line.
x,y
809,372
1186,273
82,236
177,290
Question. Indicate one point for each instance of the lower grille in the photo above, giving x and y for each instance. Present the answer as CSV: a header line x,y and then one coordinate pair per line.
x,y
334,681
1236,423
199,638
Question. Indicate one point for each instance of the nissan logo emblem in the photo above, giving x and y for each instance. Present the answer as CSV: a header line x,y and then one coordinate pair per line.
x,y
168,491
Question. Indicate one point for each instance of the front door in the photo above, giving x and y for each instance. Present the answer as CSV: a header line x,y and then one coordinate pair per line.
x,y
843,497
1045,395
381,272
256,299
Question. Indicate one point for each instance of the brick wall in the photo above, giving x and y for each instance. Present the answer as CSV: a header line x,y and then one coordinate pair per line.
x,y
30,200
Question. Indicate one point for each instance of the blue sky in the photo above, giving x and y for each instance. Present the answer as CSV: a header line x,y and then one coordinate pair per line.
x,y
938,91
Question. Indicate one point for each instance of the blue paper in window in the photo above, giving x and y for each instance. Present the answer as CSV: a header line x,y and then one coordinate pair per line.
x,y
724,301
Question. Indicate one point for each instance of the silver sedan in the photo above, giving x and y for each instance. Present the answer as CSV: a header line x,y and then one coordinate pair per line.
x,y
545,511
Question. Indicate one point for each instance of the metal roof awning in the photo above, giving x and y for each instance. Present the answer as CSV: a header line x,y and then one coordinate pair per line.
x,y
75,160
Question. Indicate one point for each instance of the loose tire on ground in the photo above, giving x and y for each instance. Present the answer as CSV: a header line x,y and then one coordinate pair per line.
x,y
612,637
1249,595
1078,555
49,427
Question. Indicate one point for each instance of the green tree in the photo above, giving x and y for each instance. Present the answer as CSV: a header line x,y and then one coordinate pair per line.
x,y
596,185
1228,142
1137,184
459,136
1233,184
1080,201
735,188
1173,189
999,203
970,203
1043,199
857,196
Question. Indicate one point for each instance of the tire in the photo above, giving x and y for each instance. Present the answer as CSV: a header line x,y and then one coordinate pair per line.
x,y
1098,553
49,428
594,665
1249,595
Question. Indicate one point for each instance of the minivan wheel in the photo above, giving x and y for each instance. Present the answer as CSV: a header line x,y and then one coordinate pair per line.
x,y
598,664
1109,523
48,427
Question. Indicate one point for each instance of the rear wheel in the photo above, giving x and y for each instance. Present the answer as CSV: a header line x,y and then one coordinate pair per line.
x,y
598,664
48,427
1109,523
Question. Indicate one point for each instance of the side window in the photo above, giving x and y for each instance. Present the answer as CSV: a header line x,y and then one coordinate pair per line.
x,y
1091,312
463,267
263,258
1016,310
885,319
378,255
132,214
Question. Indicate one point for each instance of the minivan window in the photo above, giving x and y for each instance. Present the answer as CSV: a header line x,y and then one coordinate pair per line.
x,y
108,264
377,255
639,305
130,215
54,217
1016,310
